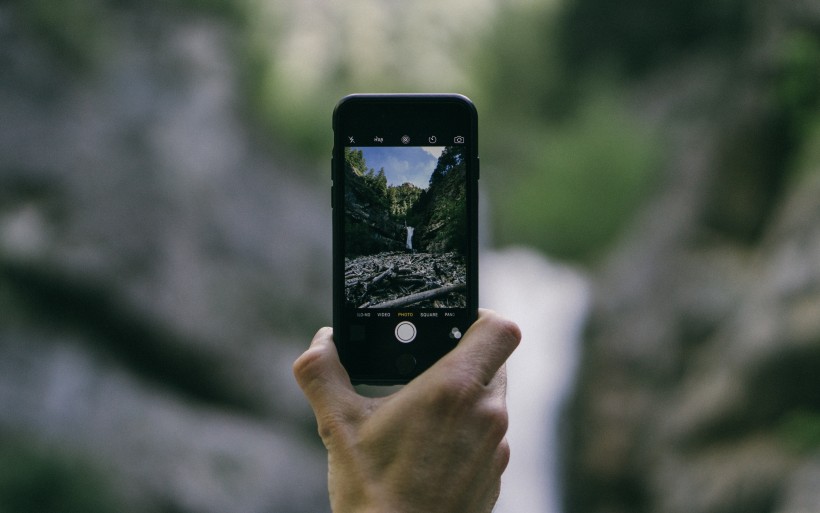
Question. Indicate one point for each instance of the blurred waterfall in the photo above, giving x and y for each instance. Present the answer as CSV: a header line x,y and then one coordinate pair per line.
x,y
549,303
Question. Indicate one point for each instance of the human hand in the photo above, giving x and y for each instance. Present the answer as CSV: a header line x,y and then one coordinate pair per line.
x,y
436,445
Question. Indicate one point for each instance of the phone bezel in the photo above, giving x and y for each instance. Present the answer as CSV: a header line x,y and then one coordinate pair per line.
x,y
391,114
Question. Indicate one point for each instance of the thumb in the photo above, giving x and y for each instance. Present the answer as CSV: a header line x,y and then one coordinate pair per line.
x,y
321,376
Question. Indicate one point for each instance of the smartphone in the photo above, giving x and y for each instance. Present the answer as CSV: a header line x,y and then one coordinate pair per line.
x,y
405,234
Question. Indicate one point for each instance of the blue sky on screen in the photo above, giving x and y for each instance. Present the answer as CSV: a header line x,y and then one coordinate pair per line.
x,y
402,164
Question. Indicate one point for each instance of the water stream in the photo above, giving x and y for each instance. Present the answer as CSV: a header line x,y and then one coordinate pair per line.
x,y
549,302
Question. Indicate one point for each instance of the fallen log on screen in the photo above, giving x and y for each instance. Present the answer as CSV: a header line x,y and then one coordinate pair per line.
x,y
420,296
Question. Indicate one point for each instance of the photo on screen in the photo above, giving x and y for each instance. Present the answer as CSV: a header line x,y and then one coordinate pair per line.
x,y
405,233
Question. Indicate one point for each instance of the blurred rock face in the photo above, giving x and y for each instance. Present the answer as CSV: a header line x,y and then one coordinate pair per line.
x,y
698,389
157,263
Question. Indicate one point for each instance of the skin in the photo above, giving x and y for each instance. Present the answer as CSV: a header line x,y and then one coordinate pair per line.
x,y
438,444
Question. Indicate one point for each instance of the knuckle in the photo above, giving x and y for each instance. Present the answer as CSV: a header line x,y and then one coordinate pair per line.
x,y
307,366
331,428
503,455
459,391
496,419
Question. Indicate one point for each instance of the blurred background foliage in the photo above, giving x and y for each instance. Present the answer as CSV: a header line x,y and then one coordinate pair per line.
x,y
566,159
36,478
568,152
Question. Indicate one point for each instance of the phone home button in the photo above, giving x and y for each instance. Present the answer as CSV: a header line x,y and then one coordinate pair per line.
x,y
405,364
405,332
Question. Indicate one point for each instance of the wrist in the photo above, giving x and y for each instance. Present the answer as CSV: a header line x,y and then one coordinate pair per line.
x,y
365,503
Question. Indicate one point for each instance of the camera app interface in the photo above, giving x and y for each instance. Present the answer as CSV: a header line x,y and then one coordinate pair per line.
x,y
405,217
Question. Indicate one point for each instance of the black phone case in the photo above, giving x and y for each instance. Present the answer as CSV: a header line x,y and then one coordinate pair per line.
x,y
385,113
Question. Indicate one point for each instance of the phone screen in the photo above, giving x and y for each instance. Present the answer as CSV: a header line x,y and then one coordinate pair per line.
x,y
405,234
